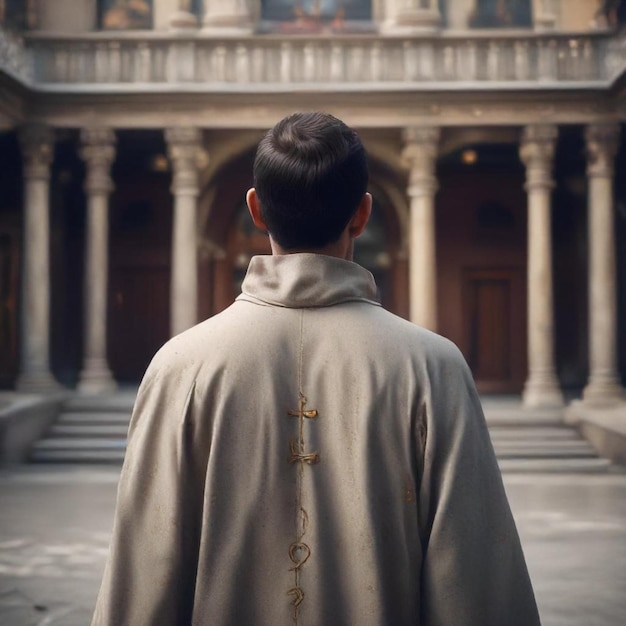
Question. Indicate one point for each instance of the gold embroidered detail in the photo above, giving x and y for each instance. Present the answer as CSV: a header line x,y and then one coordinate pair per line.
x,y
297,601
296,456
301,412
299,552
298,559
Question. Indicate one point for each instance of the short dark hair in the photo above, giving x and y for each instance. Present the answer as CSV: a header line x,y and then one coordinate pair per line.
x,y
310,174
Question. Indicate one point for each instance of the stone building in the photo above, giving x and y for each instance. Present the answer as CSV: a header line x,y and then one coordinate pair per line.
x,y
498,168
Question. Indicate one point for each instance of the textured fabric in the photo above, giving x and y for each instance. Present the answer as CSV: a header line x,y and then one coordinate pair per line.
x,y
306,457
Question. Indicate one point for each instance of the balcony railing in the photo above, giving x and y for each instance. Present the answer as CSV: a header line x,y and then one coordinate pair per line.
x,y
158,61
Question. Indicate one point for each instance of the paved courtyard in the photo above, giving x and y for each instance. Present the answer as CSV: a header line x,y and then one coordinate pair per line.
x,y
55,525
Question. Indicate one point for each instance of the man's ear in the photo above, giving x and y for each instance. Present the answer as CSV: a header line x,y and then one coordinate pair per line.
x,y
254,206
361,216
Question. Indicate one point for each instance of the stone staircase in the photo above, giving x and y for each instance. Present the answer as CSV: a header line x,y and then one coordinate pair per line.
x,y
92,429
537,440
89,429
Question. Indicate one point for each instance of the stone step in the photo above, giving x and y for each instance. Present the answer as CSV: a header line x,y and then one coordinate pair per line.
x,y
115,402
554,466
104,418
111,456
89,430
543,444
533,433
83,443
523,419
508,452
510,412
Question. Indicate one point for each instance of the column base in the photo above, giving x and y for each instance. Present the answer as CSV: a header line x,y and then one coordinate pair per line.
x,y
603,393
542,393
227,24
183,20
545,23
416,21
37,382
96,378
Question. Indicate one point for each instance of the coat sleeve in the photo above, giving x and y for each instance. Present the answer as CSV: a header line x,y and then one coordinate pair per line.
x,y
473,571
149,578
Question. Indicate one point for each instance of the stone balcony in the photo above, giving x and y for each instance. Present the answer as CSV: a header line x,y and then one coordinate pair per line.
x,y
145,62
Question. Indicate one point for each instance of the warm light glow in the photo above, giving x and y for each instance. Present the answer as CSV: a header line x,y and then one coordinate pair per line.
x,y
159,163
469,157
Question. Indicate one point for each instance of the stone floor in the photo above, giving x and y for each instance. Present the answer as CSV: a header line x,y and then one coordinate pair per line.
x,y
55,525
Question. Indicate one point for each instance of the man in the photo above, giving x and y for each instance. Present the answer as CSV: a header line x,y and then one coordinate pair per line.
x,y
306,457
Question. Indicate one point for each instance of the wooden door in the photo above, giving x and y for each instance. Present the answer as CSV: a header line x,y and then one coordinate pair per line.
x,y
9,268
139,268
493,330
138,318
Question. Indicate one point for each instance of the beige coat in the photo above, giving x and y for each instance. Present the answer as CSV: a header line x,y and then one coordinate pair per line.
x,y
306,457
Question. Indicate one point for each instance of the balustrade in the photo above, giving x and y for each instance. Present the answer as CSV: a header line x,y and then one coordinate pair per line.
x,y
359,60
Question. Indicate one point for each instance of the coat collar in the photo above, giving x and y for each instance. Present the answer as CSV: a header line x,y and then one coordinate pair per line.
x,y
303,280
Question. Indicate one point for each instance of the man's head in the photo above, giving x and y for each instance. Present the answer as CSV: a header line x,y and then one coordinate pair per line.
x,y
310,177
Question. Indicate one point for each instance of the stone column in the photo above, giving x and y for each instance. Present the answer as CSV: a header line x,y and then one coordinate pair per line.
x,y
537,153
603,386
184,151
415,16
227,15
421,148
98,152
37,149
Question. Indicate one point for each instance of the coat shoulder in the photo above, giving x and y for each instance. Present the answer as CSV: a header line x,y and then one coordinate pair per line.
x,y
427,343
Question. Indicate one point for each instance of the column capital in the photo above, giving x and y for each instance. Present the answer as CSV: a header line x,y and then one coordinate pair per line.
x,y
421,135
602,142
421,147
537,153
184,148
98,152
182,136
37,145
